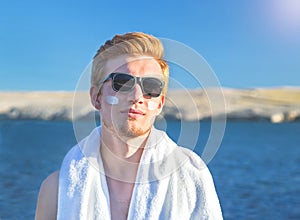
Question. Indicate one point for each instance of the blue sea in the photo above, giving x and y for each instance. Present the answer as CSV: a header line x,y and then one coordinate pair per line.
x,y
256,169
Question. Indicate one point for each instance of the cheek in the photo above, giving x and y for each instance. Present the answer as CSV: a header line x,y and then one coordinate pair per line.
x,y
152,105
111,100
108,95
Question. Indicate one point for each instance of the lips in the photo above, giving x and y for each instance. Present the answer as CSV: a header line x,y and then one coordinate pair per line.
x,y
134,113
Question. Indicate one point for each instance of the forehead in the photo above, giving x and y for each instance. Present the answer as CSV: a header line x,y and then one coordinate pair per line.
x,y
140,65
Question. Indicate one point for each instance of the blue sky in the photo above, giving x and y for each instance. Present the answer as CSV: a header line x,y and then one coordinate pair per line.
x,y
46,45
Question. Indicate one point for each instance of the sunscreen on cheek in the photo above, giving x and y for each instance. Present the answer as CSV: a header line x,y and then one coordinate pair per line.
x,y
112,100
152,105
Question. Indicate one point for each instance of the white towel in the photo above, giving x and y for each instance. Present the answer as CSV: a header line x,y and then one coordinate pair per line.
x,y
172,183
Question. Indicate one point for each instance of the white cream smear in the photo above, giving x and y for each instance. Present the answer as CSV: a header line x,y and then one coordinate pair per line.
x,y
152,105
112,100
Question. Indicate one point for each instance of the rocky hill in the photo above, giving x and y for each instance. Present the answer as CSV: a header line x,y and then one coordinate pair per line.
x,y
274,104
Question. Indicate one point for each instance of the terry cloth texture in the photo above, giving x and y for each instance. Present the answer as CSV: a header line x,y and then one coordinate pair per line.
x,y
172,183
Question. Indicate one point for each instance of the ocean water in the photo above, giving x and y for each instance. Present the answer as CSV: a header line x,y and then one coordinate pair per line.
x,y
256,169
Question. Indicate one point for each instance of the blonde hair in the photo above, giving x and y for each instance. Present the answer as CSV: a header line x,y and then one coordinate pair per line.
x,y
132,44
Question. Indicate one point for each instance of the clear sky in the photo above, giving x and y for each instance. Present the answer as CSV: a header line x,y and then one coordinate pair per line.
x,y
45,45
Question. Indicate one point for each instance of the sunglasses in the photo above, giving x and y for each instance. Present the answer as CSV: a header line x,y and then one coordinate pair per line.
x,y
123,82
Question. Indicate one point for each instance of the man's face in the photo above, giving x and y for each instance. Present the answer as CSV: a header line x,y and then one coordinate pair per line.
x,y
130,114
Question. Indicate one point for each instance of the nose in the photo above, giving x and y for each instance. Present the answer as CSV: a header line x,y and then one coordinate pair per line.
x,y
136,95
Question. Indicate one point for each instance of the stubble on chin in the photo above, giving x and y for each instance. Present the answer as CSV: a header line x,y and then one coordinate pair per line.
x,y
131,130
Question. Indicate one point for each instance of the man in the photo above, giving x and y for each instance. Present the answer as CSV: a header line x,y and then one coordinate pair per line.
x,y
127,169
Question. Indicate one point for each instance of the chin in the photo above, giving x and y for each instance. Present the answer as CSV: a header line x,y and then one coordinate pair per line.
x,y
134,130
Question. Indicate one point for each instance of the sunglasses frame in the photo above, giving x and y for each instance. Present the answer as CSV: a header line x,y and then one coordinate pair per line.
x,y
137,80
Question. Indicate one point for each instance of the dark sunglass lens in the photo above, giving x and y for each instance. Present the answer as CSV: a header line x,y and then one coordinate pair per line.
x,y
123,82
152,87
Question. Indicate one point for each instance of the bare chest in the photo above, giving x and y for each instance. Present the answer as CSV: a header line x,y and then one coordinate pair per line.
x,y
119,209
120,196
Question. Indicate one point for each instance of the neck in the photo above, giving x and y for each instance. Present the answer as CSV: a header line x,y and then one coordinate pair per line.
x,y
121,155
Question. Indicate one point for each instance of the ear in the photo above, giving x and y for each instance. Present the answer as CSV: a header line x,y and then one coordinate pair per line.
x,y
161,104
95,95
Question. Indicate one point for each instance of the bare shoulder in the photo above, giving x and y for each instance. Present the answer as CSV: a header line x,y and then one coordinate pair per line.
x,y
47,201
51,182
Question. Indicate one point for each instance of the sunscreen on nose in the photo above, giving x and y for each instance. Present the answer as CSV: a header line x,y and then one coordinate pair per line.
x,y
112,100
152,105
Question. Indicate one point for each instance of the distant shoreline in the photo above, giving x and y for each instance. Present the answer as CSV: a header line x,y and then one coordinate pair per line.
x,y
276,104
